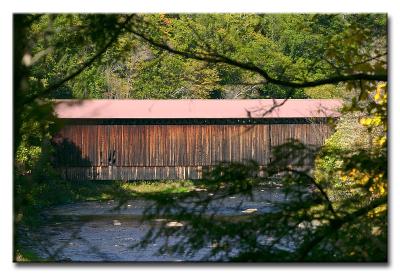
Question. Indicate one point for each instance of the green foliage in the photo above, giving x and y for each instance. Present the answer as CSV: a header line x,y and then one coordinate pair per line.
x,y
336,212
328,91
349,135
37,184
275,91
317,221
129,69
295,47
26,255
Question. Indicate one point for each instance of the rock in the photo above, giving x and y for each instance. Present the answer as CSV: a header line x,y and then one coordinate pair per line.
x,y
117,222
214,245
304,224
200,189
174,224
249,210
307,224
315,223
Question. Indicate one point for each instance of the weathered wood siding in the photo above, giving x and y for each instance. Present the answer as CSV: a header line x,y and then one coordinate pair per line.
x,y
174,151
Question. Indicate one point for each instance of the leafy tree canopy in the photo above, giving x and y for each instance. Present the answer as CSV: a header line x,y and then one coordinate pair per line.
x,y
293,47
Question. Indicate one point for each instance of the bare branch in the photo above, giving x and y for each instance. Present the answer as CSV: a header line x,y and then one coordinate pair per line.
x,y
370,59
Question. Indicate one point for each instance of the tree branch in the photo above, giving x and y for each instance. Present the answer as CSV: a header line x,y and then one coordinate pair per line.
x,y
216,58
370,59
336,224
319,187
85,65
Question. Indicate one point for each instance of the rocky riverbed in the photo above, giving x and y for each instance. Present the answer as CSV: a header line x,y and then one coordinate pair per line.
x,y
99,231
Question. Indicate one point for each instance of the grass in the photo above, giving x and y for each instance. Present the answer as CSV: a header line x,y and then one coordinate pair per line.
x,y
167,187
111,190
63,192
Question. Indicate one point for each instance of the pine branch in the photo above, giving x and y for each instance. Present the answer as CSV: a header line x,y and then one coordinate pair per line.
x,y
335,225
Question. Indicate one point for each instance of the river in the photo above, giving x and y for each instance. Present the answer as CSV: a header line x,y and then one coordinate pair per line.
x,y
97,231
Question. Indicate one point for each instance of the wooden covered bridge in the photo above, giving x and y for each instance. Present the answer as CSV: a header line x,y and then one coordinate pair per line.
x,y
178,139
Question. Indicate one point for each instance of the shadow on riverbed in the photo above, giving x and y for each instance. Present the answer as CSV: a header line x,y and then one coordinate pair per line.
x,y
104,231
235,214
112,221
42,188
94,216
211,221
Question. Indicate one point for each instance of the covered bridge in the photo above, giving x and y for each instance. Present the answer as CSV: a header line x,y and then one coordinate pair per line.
x,y
178,139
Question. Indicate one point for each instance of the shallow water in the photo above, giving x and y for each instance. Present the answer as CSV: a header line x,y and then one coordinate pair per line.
x,y
96,231
98,240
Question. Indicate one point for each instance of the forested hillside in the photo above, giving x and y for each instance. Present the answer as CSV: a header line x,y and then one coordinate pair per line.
x,y
291,47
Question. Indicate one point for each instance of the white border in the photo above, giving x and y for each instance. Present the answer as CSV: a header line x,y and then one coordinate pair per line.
x,y
124,6
257,6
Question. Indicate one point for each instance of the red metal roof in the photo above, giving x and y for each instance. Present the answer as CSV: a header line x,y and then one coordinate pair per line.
x,y
197,108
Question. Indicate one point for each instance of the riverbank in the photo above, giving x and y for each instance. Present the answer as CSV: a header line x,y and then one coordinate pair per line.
x,y
84,192
103,231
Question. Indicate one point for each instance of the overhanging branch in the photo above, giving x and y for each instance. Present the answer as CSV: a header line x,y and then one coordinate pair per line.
x,y
216,58
85,65
336,224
